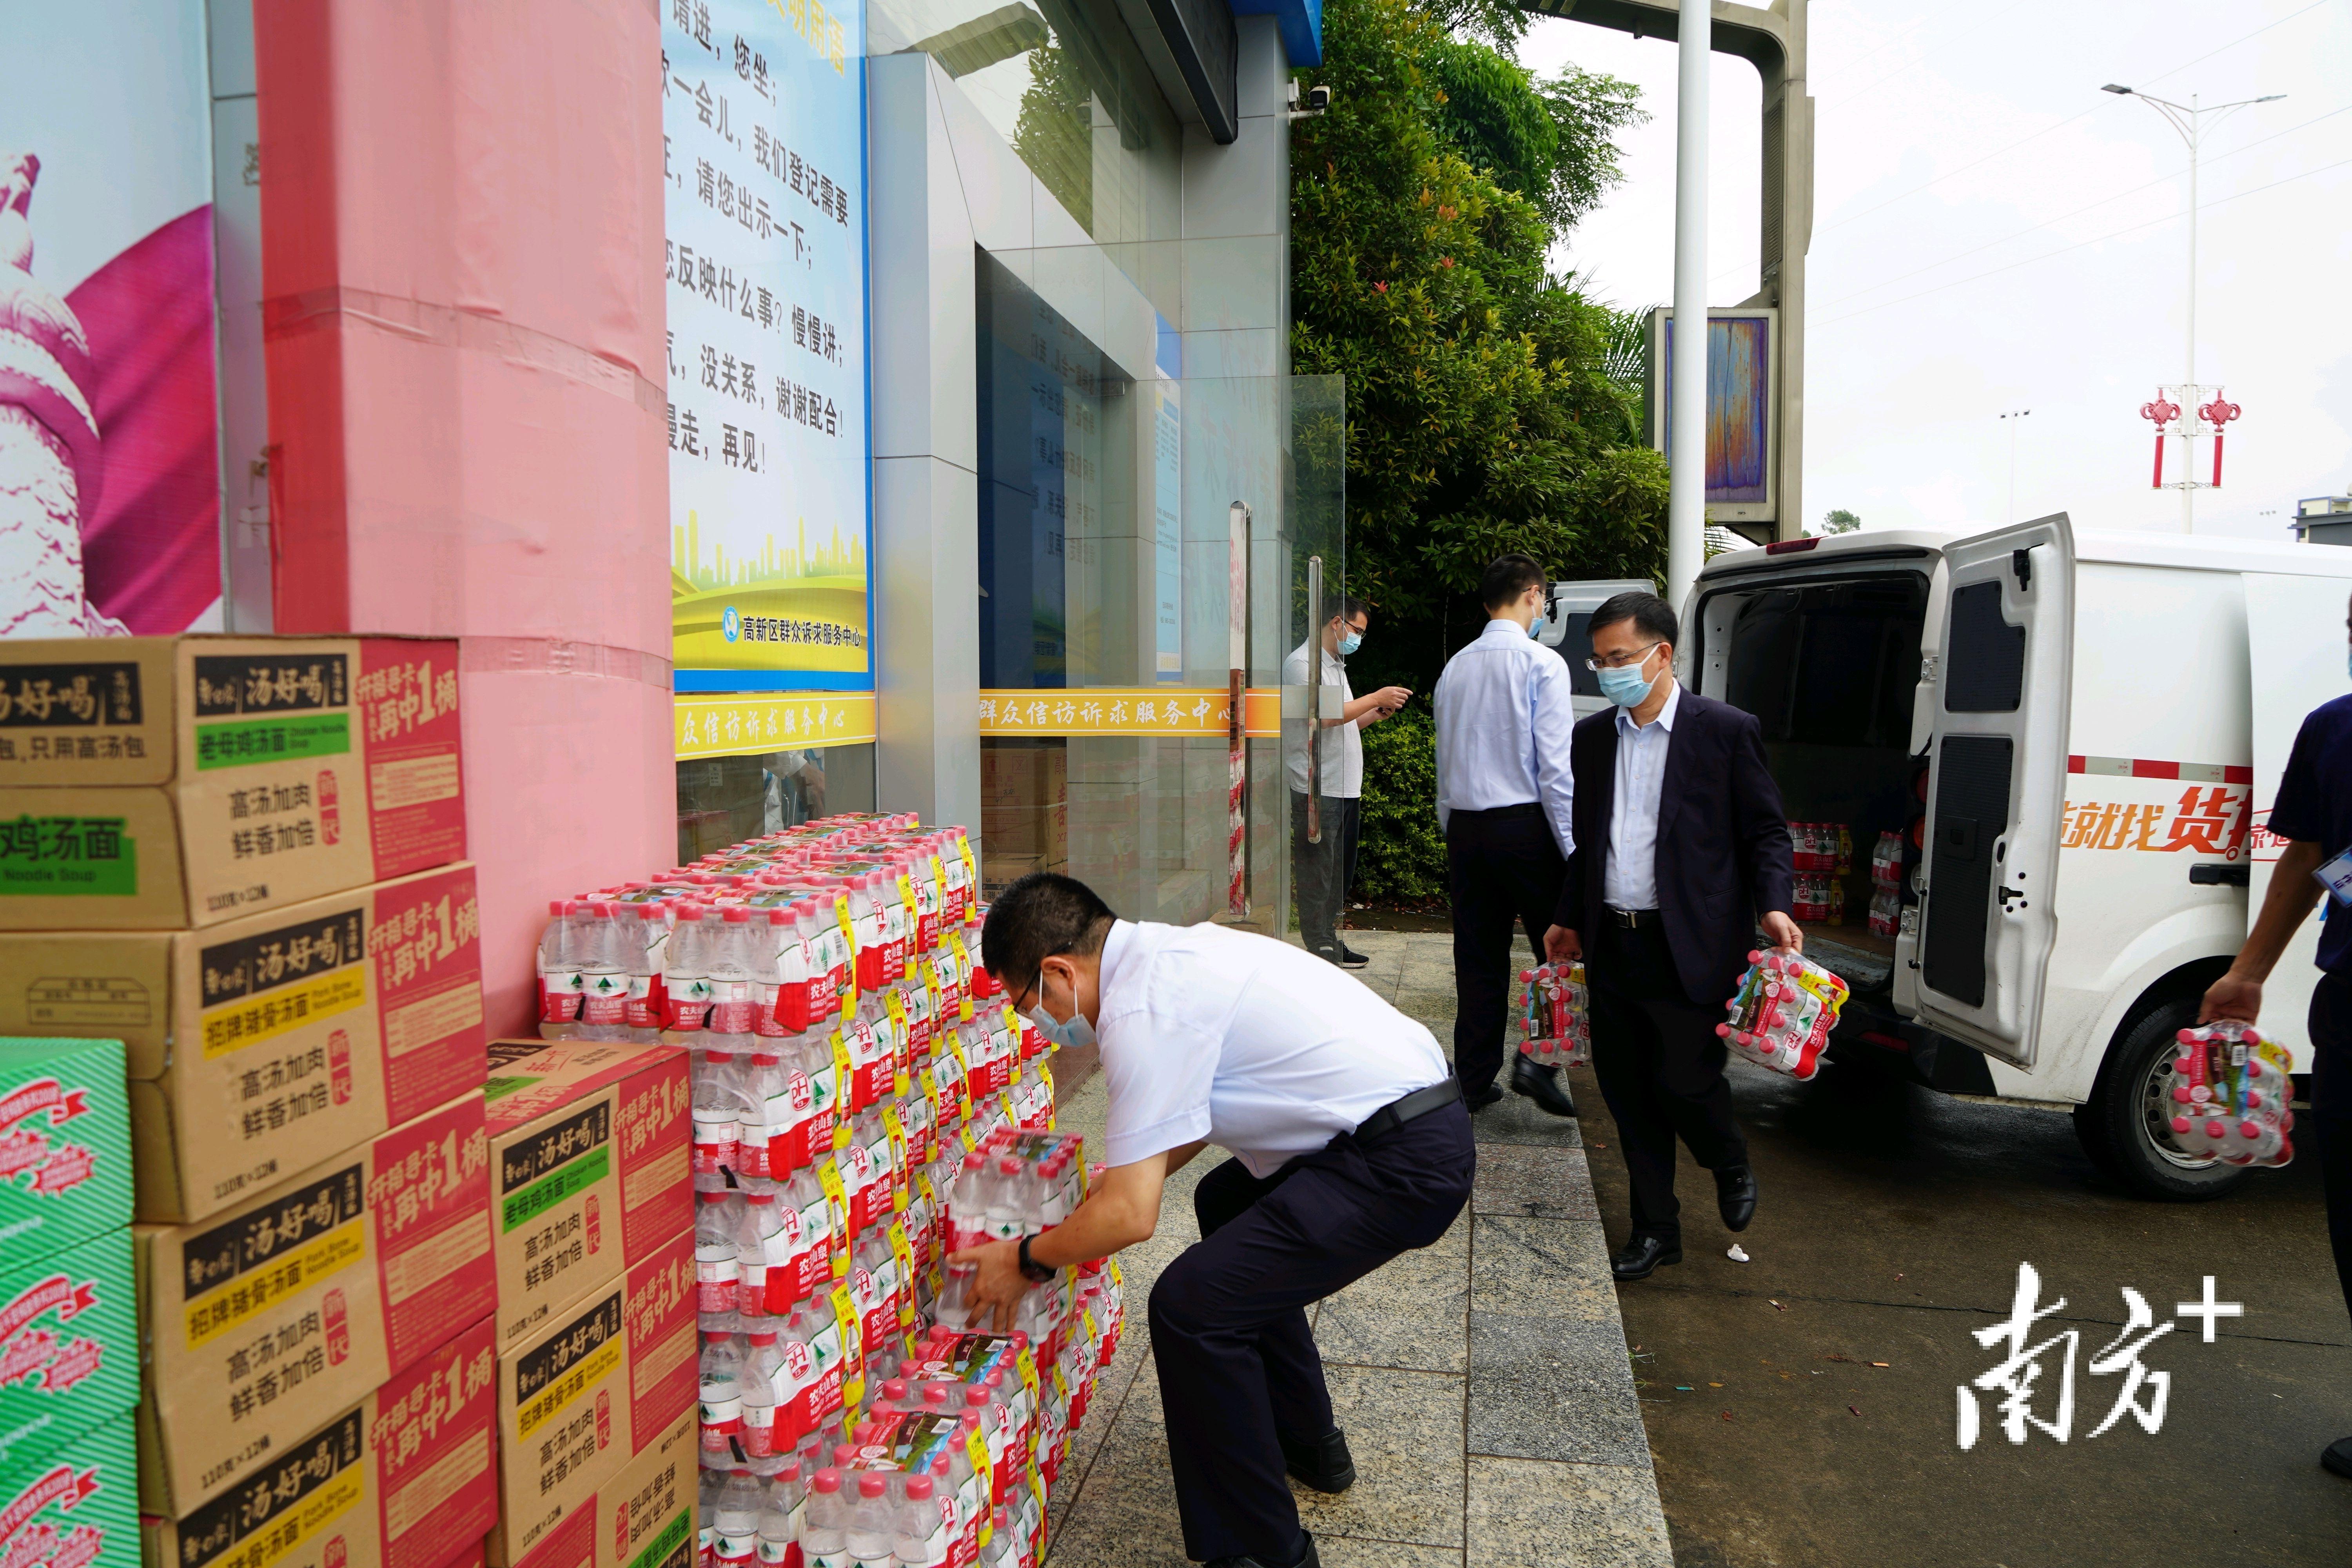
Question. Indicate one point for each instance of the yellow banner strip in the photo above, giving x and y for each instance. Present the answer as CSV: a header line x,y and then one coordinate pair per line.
x,y
1188,711
752,723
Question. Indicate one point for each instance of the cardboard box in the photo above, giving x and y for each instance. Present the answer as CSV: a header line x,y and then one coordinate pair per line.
x,y
588,1168
150,784
588,1392
642,1517
404,1478
72,1500
260,1323
68,1340
1043,831
263,1045
65,1141
998,872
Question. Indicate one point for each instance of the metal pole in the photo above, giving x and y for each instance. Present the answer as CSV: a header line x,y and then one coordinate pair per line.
x,y
1686,459
2188,417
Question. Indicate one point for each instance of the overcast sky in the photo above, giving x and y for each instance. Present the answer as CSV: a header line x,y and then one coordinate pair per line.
x,y
1992,232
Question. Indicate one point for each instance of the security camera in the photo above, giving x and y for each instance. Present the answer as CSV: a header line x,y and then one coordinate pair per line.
x,y
1318,98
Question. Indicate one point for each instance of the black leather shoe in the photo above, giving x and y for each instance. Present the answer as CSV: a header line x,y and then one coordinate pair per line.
x,y
2336,1457
1311,1559
1350,959
1541,1084
1483,1098
1638,1256
1323,1463
1734,1195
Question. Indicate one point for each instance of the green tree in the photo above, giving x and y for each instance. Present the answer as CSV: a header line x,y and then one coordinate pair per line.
x,y
1840,520
1481,411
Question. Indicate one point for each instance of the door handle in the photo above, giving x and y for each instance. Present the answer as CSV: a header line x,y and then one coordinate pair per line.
x,y
2006,892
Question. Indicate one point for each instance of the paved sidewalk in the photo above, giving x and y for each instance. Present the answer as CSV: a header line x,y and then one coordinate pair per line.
x,y
1482,1381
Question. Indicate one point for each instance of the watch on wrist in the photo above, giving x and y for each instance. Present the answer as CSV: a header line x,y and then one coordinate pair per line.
x,y
1034,1272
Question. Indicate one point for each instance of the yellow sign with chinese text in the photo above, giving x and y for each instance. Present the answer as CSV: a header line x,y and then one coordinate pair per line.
x,y
1192,712
749,723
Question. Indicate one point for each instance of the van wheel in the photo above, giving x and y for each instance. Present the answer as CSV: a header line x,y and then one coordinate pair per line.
x,y
2117,1125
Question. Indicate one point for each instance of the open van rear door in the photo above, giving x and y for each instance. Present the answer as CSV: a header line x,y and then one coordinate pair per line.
x,y
2295,656
1567,632
1996,785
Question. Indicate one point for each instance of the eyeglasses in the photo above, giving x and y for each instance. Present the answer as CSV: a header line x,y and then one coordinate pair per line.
x,y
1623,660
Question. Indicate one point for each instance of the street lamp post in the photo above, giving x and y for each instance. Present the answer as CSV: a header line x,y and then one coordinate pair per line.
x,y
1686,373
2190,120
2013,418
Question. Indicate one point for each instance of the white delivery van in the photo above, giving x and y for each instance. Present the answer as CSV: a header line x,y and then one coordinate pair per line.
x,y
2077,738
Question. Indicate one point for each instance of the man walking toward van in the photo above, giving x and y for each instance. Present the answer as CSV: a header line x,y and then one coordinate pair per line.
x,y
2314,813
1681,847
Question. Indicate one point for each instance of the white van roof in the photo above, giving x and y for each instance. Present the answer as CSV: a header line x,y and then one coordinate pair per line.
x,y
2150,547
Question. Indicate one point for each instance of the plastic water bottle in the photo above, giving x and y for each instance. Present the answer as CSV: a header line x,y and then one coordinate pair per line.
x,y
824,1535
645,940
782,1517
762,1244
919,1532
709,1477
720,1392
1011,1212
761,1361
718,1249
782,986
686,975
559,973
722,1103
731,957
871,1523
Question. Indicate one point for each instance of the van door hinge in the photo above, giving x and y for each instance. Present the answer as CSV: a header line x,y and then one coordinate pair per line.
x,y
2022,563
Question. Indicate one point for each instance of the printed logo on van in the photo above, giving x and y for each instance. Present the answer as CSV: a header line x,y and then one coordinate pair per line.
x,y
2207,819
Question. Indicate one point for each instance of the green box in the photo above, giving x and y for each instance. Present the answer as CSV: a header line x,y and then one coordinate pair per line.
x,y
65,1144
69,1341
74,1500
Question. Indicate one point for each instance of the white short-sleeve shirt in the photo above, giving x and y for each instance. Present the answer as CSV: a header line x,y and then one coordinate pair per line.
x,y
1258,1047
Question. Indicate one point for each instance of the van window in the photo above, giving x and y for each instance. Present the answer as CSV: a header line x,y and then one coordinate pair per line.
x,y
1831,663
1575,647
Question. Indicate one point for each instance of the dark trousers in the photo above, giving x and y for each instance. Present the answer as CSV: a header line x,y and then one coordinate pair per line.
x,y
1321,872
1237,1362
1660,1063
2331,1111
1502,868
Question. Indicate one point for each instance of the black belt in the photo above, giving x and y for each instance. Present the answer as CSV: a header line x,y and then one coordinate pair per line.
x,y
1397,1112
1631,920
1503,812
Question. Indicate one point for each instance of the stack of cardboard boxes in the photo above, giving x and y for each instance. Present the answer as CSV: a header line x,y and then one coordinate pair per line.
x,y
593,1208
244,859
1025,812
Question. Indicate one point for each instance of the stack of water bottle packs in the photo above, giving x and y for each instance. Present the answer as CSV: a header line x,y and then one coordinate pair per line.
x,y
2230,1097
864,1103
1555,1015
1783,1012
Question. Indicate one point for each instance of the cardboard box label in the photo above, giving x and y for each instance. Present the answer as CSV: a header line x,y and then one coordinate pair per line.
x,y
549,1166
70,697
434,1436
291,1503
55,857
234,1271
551,1378
259,987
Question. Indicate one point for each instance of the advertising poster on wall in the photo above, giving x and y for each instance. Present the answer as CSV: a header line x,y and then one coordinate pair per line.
x,y
764,113
109,468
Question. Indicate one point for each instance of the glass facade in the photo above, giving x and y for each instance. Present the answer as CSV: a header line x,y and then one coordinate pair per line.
x,y
725,800
1144,541
1063,84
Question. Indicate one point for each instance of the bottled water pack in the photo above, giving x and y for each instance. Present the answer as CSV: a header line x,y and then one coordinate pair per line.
x,y
1783,1012
2231,1096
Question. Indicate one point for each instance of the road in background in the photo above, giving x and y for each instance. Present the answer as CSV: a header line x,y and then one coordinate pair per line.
x,y
1892,1223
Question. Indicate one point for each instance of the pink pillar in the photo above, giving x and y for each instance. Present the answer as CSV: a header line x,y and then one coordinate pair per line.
x,y
463,272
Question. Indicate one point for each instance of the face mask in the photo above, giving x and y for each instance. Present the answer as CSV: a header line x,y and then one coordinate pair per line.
x,y
1076,1035
1626,687
1350,643
1535,628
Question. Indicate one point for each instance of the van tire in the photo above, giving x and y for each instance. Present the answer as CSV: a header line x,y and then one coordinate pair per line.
x,y
2114,1124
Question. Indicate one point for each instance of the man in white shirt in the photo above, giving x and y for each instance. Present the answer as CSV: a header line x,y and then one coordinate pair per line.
x,y
1504,803
1350,1146
1324,864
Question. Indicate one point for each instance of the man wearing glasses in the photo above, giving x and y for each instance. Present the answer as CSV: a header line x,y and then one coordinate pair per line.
x,y
1350,1146
1681,849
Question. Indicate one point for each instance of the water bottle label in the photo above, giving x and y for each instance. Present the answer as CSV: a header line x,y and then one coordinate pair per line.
x,y
837,1559
776,1553
736,1548
886,1560
559,998
721,1414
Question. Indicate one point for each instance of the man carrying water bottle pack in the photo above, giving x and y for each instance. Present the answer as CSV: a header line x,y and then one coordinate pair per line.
x,y
1349,1146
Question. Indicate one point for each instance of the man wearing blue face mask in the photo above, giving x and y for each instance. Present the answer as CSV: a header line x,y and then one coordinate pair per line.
x,y
1681,852
1323,842
1349,1146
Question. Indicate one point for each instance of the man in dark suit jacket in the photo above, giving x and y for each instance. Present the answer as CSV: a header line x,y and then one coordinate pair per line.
x,y
1681,849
